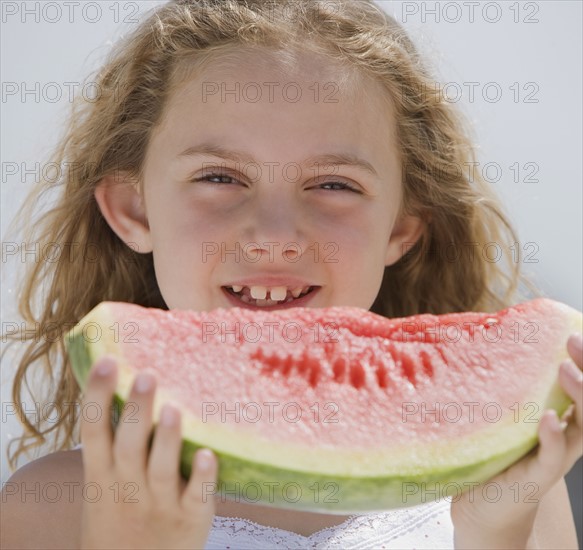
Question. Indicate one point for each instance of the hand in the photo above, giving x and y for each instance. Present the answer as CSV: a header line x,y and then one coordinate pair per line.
x,y
511,518
142,503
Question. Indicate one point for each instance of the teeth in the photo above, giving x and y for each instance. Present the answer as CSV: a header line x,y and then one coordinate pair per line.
x,y
265,296
258,292
278,293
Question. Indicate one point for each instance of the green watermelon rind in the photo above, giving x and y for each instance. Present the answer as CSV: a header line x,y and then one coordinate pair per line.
x,y
246,480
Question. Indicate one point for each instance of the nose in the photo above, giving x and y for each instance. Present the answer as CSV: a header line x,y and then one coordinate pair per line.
x,y
276,224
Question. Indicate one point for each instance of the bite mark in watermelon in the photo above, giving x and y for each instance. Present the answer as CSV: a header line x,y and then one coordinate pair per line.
x,y
373,404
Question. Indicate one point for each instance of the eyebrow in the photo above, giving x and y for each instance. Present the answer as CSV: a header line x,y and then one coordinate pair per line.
x,y
328,159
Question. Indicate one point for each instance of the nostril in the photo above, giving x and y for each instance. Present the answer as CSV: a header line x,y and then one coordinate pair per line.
x,y
291,250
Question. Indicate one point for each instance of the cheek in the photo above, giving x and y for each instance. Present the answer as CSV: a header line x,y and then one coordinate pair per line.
x,y
179,222
366,235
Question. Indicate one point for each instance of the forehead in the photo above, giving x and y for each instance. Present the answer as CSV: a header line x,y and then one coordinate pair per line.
x,y
280,101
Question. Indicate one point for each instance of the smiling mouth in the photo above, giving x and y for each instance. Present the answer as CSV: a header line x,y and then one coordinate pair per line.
x,y
246,296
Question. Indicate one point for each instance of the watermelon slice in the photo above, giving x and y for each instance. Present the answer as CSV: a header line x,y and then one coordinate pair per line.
x,y
339,409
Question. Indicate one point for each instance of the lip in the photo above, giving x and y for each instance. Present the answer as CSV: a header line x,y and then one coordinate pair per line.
x,y
298,302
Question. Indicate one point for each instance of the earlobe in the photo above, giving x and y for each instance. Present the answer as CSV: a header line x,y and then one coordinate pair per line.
x,y
406,232
123,208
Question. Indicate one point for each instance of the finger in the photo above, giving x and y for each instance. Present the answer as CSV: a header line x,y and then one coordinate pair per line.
x,y
132,434
96,434
571,380
574,437
550,458
198,498
575,349
164,461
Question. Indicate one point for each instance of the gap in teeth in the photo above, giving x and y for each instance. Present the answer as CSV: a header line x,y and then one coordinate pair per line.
x,y
264,296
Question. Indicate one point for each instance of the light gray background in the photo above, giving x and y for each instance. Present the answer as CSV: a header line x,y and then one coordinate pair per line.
x,y
498,46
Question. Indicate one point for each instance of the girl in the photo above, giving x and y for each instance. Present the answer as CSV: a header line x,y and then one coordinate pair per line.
x,y
272,128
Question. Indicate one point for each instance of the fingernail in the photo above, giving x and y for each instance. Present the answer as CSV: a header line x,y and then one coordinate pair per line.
x,y
104,367
555,422
574,372
168,416
144,382
577,341
203,460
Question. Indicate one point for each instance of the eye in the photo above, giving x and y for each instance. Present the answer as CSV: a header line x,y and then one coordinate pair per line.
x,y
340,186
221,177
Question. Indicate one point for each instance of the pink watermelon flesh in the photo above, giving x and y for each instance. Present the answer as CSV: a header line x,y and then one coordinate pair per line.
x,y
343,396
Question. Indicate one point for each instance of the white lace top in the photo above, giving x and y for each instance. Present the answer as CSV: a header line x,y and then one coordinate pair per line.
x,y
426,526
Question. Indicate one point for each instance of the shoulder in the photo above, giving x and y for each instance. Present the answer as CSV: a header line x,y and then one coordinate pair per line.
x,y
44,493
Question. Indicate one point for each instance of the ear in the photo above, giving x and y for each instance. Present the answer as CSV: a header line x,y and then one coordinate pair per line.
x,y
123,208
406,232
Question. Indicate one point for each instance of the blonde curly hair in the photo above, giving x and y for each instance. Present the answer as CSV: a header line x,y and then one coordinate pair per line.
x,y
112,132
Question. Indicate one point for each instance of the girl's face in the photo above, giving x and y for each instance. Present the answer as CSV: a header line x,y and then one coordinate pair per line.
x,y
252,180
